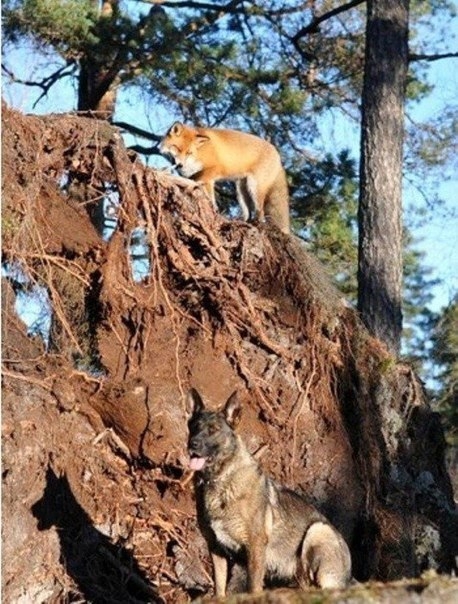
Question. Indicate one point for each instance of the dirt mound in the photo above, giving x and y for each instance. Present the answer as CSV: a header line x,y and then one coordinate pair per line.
x,y
95,469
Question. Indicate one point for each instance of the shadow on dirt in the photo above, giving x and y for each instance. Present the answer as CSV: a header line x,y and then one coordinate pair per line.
x,y
102,572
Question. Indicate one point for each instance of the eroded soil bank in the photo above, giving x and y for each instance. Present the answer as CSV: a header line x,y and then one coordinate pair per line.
x,y
97,498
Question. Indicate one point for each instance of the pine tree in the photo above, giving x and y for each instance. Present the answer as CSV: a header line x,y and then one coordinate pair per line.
x,y
445,355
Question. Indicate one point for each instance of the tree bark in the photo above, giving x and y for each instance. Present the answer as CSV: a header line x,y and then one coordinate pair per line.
x,y
99,67
380,203
98,83
96,89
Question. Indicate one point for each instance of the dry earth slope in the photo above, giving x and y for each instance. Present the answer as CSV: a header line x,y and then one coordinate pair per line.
x,y
97,499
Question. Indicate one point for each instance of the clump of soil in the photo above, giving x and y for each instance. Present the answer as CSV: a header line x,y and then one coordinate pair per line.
x,y
96,488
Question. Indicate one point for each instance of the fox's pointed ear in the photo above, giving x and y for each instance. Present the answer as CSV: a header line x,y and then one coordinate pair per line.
x,y
201,139
194,402
176,129
233,410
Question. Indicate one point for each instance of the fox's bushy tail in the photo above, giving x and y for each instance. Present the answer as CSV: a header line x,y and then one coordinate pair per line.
x,y
276,208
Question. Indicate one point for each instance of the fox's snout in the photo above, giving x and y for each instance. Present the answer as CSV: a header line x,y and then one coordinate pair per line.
x,y
166,152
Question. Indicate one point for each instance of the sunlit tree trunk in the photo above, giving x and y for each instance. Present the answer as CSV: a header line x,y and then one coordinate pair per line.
x,y
380,204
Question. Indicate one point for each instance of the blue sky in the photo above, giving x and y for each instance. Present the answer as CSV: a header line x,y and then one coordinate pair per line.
x,y
436,236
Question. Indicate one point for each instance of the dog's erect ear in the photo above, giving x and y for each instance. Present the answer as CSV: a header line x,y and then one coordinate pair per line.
x,y
176,129
194,402
233,410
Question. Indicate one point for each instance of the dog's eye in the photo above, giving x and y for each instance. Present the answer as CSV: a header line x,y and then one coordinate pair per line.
x,y
212,430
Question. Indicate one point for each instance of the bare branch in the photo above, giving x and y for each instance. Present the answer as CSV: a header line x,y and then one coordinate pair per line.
x,y
137,131
229,7
46,83
154,150
289,10
312,27
430,58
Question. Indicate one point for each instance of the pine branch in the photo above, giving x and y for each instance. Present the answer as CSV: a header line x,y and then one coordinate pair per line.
x,y
312,27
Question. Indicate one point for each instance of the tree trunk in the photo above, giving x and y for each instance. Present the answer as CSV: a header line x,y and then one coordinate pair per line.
x,y
380,204
98,83
96,90
99,67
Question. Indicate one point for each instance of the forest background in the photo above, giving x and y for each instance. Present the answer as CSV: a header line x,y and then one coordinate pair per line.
x,y
141,290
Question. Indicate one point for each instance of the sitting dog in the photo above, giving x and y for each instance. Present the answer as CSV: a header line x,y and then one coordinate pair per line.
x,y
240,510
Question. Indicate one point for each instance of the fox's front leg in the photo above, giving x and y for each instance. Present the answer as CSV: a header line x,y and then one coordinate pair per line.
x,y
244,199
209,187
219,574
255,198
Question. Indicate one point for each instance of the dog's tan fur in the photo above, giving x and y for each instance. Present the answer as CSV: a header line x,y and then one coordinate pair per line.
x,y
242,510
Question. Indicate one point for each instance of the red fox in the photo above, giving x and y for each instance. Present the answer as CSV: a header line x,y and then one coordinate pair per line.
x,y
210,154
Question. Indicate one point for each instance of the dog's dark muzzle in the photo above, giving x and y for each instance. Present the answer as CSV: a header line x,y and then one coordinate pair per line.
x,y
198,452
197,447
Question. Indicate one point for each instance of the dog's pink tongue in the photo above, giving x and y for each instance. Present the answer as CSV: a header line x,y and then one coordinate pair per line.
x,y
197,463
